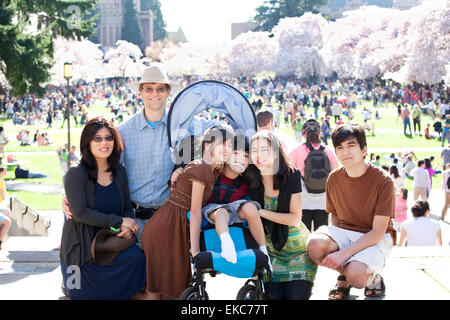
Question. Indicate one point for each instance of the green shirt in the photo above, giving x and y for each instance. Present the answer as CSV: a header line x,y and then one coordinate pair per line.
x,y
376,163
298,125
416,113
292,262
64,156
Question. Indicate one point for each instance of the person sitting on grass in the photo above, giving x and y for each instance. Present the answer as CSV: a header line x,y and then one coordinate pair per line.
x,y
409,166
25,138
26,174
427,132
40,140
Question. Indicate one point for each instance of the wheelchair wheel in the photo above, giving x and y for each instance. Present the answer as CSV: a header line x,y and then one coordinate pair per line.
x,y
249,292
193,293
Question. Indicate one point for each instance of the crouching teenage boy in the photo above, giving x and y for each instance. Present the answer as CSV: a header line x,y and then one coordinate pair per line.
x,y
361,201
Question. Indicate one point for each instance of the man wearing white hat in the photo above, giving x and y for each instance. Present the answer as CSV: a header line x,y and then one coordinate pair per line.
x,y
146,154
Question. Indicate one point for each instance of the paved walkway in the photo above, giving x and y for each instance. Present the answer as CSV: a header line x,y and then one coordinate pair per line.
x,y
16,185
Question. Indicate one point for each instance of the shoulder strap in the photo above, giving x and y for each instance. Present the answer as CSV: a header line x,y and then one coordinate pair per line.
x,y
310,147
229,189
217,185
235,184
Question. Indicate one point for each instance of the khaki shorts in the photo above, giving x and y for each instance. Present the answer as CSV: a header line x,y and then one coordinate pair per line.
x,y
374,256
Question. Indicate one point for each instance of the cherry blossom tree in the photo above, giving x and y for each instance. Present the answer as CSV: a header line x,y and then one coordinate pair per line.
x,y
251,53
85,56
123,60
188,59
300,41
353,43
405,46
427,49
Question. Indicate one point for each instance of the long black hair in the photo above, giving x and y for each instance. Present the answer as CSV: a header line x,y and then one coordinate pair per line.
x,y
88,134
394,170
284,169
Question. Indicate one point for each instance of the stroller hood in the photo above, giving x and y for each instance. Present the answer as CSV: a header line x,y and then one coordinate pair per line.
x,y
211,94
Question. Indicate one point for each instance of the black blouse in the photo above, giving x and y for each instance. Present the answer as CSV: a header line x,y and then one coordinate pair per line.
x,y
291,186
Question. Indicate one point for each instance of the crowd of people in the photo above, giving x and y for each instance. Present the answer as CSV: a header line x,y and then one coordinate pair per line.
x,y
302,208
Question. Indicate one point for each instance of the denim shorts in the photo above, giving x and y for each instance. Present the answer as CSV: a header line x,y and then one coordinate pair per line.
x,y
232,208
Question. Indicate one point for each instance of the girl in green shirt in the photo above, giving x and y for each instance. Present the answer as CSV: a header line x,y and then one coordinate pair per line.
x,y
277,188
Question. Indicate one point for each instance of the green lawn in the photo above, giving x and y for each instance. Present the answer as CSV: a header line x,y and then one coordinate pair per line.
x,y
39,201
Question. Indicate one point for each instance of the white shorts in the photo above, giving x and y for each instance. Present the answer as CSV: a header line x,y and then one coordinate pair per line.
x,y
374,256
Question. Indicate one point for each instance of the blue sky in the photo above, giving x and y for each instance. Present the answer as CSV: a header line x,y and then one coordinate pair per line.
x,y
207,21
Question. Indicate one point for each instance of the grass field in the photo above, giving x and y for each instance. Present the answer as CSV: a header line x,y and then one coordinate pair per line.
x,y
388,134
39,201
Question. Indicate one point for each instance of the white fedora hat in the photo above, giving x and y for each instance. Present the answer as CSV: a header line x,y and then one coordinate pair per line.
x,y
154,74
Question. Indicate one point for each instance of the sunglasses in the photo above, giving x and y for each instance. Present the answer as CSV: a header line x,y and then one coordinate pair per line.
x,y
100,139
159,90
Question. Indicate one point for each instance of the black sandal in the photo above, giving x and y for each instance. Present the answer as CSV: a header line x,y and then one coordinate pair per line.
x,y
377,290
345,291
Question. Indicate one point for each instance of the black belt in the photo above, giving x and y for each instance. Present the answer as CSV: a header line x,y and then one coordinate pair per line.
x,y
143,212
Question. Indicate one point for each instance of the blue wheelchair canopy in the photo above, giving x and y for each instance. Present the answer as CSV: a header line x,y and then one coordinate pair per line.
x,y
204,95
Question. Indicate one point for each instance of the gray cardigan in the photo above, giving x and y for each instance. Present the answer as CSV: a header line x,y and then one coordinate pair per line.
x,y
78,232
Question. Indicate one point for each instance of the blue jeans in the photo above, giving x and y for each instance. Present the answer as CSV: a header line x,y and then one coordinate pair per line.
x,y
32,175
407,122
445,135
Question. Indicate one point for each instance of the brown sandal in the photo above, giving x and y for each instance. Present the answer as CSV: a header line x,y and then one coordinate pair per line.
x,y
345,291
376,290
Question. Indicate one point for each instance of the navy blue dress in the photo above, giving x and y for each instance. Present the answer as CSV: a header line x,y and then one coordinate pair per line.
x,y
120,279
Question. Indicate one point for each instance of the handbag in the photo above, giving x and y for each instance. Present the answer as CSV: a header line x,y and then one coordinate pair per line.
x,y
106,245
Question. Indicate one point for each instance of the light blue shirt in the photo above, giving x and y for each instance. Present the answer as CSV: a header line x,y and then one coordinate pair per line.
x,y
147,158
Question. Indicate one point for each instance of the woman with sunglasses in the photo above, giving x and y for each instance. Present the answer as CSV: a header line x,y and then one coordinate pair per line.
x,y
98,197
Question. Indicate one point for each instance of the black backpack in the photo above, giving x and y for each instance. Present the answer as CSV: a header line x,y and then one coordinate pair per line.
x,y
317,169
448,182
